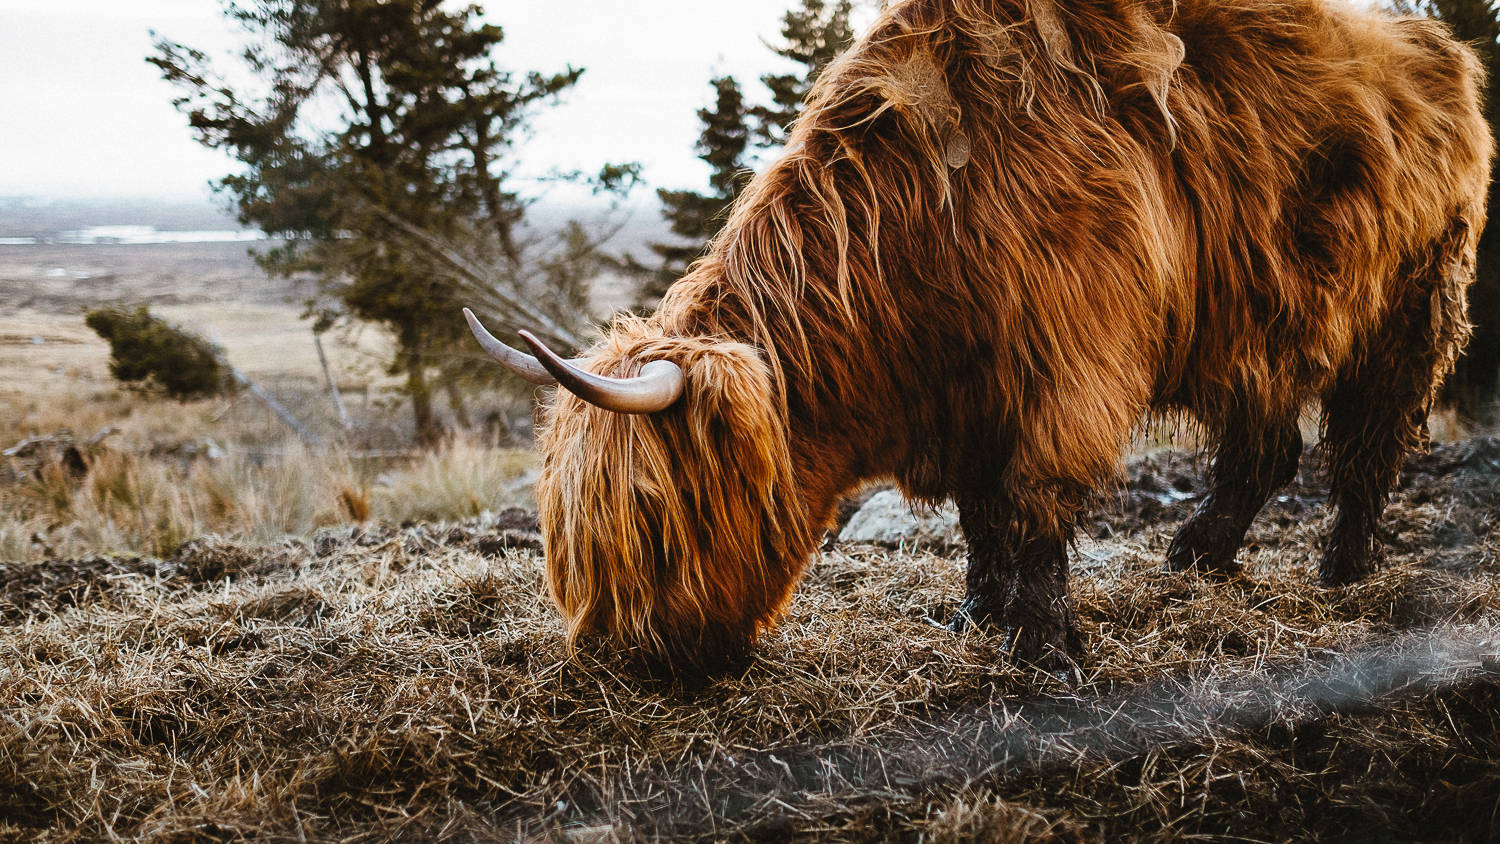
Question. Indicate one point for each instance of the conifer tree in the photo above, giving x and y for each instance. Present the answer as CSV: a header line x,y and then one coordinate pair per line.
x,y
145,350
380,152
814,36
696,217
734,132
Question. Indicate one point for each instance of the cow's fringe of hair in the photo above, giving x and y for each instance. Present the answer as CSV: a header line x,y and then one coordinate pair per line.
x,y
681,533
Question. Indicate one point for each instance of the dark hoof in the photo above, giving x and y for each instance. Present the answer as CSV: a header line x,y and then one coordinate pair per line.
x,y
1048,647
968,618
1216,566
1341,568
962,622
1333,577
1049,651
1049,654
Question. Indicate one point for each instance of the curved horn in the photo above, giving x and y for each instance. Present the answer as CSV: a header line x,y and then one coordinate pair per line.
x,y
659,384
520,363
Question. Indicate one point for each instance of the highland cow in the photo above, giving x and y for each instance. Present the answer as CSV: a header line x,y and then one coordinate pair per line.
x,y
1003,233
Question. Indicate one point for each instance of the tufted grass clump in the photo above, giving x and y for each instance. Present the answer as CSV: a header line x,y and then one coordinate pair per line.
x,y
134,503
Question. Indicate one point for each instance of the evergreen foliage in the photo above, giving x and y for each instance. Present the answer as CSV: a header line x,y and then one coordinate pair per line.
x,y
734,131
382,153
697,217
814,36
146,350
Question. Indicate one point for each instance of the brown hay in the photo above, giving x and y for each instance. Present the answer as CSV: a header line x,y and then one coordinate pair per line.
x,y
381,683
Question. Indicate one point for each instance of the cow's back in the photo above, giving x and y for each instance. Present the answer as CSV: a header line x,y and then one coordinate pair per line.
x,y
1321,147
1078,211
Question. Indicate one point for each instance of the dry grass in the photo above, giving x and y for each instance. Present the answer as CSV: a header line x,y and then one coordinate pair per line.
x,y
168,471
460,480
374,683
133,503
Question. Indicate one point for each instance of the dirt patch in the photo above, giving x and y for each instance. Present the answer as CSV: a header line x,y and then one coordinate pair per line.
x,y
212,558
42,589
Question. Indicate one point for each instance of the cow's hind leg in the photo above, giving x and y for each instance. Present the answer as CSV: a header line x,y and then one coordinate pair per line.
x,y
1017,582
1371,422
1250,463
1370,425
1376,412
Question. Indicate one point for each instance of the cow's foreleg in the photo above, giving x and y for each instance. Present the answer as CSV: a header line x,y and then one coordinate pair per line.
x,y
1017,582
1248,467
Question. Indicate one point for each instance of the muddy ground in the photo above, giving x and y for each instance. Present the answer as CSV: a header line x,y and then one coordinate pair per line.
x,y
384,682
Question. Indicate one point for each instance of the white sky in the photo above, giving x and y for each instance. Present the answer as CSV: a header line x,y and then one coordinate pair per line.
x,y
83,116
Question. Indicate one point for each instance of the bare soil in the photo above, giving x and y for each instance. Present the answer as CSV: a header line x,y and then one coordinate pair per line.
x,y
383,682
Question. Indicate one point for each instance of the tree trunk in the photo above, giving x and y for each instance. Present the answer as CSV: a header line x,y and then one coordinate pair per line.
x,y
456,404
502,217
429,432
333,389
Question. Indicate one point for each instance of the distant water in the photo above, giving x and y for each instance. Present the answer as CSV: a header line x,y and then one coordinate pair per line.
x,y
131,235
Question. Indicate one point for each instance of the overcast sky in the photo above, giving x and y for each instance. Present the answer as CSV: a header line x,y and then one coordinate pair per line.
x,y
83,116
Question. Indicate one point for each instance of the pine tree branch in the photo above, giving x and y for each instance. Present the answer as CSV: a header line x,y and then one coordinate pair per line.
x,y
485,280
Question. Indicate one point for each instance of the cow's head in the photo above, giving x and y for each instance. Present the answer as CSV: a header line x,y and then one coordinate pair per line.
x,y
670,509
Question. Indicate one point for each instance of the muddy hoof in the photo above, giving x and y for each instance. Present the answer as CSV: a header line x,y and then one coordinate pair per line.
x,y
1335,573
1216,566
1049,654
1045,647
1349,562
973,617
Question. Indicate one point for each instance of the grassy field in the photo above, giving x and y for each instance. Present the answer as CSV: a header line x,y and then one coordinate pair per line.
x,y
213,289
210,633
162,472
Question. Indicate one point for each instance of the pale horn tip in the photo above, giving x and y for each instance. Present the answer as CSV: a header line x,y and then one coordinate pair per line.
x,y
520,363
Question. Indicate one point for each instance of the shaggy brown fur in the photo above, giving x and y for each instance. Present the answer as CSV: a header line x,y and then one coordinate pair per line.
x,y
1004,231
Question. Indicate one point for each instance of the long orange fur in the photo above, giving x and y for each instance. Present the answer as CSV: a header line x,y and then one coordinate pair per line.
x,y
1003,232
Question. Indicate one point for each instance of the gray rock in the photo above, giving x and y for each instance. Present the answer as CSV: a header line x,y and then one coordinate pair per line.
x,y
887,519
